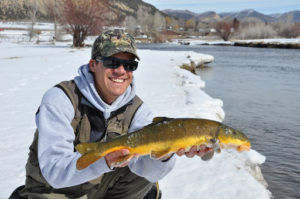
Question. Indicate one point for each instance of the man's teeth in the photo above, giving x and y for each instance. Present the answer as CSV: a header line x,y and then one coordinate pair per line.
x,y
118,80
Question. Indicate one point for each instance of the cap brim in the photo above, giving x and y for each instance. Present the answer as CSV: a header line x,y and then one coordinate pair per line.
x,y
120,51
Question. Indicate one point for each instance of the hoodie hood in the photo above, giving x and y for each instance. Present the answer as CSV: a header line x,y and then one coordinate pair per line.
x,y
85,83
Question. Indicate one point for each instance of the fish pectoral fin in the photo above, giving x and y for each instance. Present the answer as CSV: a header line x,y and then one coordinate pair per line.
x,y
123,159
84,148
86,160
159,154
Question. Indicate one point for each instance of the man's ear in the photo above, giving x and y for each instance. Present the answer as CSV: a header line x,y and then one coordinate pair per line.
x,y
92,64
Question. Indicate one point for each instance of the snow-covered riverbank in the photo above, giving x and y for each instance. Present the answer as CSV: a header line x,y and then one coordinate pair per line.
x,y
27,71
260,43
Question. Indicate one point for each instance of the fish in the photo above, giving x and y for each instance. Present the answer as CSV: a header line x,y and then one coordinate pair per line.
x,y
164,136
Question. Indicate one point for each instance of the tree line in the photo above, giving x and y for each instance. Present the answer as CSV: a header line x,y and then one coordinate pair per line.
x,y
82,18
248,28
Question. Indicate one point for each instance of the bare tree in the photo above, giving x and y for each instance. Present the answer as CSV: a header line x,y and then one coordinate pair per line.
x,y
236,24
190,24
287,29
224,29
256,31
33,7
169,22
87,17
12,9
50,7
292,31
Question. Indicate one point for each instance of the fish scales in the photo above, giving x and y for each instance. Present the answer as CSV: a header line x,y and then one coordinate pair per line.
x,y
163,136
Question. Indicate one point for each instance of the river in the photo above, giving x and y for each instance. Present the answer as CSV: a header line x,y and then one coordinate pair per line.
x,y
260,88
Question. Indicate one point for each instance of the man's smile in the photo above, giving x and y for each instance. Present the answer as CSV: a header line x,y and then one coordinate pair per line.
x,y
117,80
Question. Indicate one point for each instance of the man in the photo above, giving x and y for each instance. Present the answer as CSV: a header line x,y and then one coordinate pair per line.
x,y
98,105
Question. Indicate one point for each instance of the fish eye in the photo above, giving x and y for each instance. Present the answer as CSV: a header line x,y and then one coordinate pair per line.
x,y
227,131
213,140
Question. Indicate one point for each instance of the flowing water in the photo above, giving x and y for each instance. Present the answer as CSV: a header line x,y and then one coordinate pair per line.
x,y
260,88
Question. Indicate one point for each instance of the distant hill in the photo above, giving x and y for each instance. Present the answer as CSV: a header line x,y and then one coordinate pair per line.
x,y
209,16
275,15
290,16
141,15
181,14
249,13
131,7
137,13
240,15
20,9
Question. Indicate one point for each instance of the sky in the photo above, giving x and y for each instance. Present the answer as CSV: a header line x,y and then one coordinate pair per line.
x,y
199,6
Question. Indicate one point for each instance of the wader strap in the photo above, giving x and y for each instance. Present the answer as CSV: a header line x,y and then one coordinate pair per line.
x,y
157,190
130,112
73,93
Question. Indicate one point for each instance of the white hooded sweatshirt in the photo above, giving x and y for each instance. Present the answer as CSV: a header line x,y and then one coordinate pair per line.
x,y
56,155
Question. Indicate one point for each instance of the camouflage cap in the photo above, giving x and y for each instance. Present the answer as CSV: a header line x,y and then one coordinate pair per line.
x,y
113,41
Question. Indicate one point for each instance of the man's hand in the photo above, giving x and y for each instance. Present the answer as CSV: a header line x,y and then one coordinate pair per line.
x,y
111,158
204,152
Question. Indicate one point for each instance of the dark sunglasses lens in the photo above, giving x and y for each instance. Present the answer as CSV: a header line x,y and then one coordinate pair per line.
x,y
131,66
111,64
114,63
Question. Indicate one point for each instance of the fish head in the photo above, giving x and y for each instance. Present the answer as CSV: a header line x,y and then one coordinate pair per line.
x,y
231,138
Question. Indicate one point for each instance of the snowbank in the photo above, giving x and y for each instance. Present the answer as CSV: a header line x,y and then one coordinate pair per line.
x,y
262,43
276,40
27,71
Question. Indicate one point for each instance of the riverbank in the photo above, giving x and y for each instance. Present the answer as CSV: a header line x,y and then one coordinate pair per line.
x,y
257,43
270,43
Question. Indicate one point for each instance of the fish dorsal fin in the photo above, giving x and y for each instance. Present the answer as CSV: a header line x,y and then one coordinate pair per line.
x,y
160,119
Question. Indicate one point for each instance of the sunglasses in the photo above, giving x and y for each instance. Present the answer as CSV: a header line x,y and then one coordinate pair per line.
x,y
113,63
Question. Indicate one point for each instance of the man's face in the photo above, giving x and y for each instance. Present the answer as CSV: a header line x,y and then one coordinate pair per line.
x,y
111,83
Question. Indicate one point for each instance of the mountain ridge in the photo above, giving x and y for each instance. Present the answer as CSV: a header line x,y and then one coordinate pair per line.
x,y
293,16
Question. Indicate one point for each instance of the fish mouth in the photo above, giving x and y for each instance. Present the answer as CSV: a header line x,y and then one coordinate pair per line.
x,y
245,147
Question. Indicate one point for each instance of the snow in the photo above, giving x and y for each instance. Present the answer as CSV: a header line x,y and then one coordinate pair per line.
x,y
199,59
231,42
26,24
201,41
275,40
28,70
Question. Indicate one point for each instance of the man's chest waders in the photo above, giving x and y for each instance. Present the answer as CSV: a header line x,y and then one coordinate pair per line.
x,y
120,183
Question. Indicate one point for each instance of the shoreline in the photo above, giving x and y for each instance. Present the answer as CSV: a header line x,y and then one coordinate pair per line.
x,y
268,45
258,45
281,43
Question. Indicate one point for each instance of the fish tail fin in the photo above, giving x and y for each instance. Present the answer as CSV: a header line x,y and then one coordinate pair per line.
x,y
87,159
84,148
